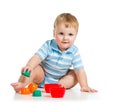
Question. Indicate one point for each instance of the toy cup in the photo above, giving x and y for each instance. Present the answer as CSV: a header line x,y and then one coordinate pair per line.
x,y
49,86
36,93
57,92
25,91
32,87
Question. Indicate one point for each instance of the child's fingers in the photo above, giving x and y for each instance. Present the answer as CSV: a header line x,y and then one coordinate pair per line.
x,y
28,68
88,90
93,90
22,70
13,84
25,69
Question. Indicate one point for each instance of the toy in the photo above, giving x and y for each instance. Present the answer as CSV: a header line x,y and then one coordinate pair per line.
x,y
25,91
57,92
26,73
48,86
32,87
36,93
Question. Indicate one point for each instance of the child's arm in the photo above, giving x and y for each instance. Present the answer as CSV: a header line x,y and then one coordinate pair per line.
x,y
32,63
82,79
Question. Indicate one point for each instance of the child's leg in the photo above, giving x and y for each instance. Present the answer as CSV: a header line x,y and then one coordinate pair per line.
x,y
37,76
69,80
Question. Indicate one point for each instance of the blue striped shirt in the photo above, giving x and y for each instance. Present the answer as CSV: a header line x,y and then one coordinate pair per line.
x,y
56,63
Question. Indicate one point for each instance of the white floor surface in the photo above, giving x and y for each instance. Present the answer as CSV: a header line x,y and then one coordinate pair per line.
x,y
73,96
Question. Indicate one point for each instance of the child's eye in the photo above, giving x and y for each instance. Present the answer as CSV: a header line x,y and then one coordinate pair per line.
x,y
70,34
61,33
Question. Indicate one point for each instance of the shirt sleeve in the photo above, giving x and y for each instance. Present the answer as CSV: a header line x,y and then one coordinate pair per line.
x,y
43,51
77,62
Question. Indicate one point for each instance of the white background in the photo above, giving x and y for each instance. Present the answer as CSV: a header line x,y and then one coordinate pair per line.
x,y
26,24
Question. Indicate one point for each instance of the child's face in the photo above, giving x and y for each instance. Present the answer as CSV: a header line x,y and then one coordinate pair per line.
x,y
64,36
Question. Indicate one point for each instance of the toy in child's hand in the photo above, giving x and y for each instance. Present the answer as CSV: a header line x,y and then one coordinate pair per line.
x,y
26,73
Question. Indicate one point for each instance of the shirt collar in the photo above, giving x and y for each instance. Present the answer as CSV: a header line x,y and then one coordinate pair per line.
x,y
55,47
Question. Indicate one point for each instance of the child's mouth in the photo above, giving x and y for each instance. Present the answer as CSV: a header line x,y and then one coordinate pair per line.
x,y
65,42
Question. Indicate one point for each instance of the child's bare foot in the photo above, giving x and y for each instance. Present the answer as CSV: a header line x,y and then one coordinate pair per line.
x,y
17,86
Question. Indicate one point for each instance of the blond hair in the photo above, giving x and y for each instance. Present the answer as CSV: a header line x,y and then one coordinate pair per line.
x,y
68,19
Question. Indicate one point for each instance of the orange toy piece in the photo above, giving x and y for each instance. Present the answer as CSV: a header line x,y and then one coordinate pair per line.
x,y
25,91
32,87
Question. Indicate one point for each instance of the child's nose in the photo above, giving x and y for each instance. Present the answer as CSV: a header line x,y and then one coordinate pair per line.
x,y
65,37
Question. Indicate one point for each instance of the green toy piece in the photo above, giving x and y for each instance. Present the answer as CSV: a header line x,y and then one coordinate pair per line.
x,y
26,73
36,93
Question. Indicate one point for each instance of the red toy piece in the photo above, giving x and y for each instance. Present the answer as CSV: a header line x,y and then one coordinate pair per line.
x,y
47,87
57,92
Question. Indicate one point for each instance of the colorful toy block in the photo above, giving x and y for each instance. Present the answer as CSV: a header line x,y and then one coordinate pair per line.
x,y
56,90
32,87
26,73
25,91
36,93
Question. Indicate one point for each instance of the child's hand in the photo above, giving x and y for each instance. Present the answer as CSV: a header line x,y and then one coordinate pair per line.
x,y
28,68
87,89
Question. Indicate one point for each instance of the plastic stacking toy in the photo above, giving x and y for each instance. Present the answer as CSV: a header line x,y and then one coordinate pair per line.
x,y
25,91
36,93
26,73
48,86
57,92
32,87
